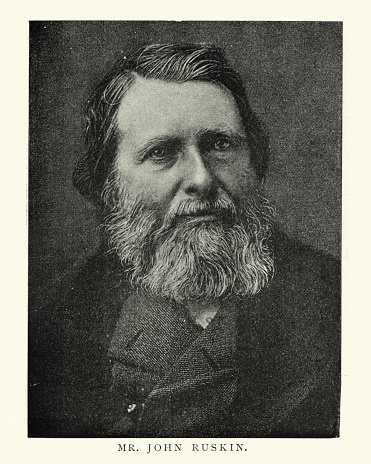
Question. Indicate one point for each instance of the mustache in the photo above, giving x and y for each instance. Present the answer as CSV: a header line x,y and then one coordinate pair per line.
x,y
222,207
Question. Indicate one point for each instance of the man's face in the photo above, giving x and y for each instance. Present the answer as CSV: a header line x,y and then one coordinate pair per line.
x,y
180,142
183,212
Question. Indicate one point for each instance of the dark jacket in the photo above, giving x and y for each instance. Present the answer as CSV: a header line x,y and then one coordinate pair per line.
x,y
106,361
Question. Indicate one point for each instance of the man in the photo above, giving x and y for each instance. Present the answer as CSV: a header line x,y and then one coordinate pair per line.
x,y
197,317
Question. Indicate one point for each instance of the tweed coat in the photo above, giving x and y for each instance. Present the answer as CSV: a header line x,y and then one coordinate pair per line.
x,y
107,361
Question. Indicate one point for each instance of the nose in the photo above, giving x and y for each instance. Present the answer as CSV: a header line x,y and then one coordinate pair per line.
x,y
198,180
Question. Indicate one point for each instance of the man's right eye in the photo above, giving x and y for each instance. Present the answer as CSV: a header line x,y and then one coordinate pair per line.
x,y
162,154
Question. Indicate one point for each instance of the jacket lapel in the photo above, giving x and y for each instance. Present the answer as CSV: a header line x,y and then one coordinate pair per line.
x,y
151,333
199,387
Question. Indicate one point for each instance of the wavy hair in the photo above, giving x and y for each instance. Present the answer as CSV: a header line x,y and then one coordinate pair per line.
x,y
171,63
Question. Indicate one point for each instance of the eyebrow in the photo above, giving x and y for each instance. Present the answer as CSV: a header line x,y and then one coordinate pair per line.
x,y
156,142
233,135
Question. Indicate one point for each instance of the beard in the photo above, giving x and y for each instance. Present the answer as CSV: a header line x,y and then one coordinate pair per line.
x,y
186,257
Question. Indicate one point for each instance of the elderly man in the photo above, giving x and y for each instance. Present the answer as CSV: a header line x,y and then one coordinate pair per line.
x,y
197,317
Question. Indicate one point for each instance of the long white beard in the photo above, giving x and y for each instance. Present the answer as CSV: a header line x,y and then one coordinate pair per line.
x,y
185,258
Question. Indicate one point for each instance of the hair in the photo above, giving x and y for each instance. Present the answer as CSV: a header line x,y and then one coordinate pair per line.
x,y
171,63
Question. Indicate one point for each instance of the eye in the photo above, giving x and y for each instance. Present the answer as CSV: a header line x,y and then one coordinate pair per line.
x,y
222,144
162,154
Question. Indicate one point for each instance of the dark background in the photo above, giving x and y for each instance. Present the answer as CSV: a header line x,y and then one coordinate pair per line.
x,y
293,76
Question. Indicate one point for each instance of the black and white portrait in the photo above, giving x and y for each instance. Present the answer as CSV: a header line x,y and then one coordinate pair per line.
x,y
184,229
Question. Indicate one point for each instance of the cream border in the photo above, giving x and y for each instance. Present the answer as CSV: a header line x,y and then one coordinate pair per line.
x,y
353,445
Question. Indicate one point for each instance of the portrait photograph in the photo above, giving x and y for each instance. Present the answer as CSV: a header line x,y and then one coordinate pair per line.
x,y
184,229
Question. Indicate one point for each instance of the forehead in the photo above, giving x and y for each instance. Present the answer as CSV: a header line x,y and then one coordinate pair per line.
x,y
153,108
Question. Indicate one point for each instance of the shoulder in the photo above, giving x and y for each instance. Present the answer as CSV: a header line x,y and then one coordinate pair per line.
x,y
294,256
85,306
305,274
296,319
82,290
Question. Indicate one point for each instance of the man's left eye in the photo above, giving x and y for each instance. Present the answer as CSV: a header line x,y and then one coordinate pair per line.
x,y
222,144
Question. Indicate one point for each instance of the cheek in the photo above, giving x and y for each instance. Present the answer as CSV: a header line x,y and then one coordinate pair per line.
x,y
239,178
154,191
